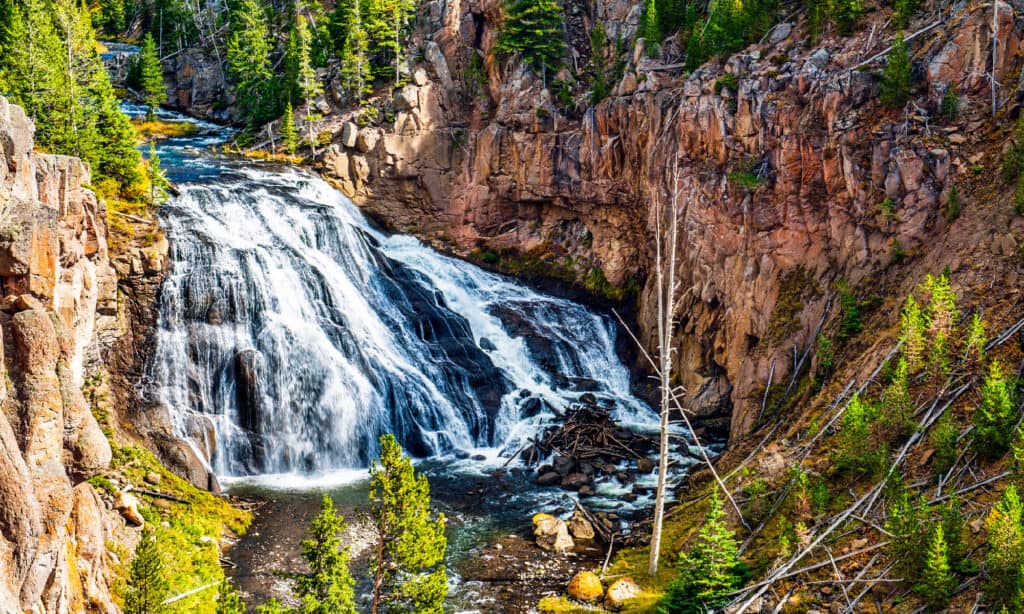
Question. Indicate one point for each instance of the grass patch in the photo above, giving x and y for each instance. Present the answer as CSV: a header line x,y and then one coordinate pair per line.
x,y
162,128
188,535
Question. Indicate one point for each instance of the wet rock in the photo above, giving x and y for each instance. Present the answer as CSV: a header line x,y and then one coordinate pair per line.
x,y
584,384
574,481
586,491
580,527
479,457
585,586
588,398
548,479
461,454
532,407
563,465
644,465
551,533
621,591
487,345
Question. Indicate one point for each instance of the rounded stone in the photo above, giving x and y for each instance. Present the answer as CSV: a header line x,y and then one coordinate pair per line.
x,y
585,586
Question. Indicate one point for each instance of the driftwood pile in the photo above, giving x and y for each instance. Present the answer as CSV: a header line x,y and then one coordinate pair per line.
x,y
589,434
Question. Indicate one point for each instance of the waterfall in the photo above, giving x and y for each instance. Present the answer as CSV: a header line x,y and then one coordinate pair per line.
x,y
303,334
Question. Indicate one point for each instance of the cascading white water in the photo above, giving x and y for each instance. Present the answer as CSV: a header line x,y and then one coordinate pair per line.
x,y
303,334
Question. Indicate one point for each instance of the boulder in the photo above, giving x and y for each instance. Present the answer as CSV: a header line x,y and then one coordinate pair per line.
x,y
563,465
152,478
621,591
644,465
580,527
586,586
551,533
549,478
406,98
349,134
128,505
367,140
574,481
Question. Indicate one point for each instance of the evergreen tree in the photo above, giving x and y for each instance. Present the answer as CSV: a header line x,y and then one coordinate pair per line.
x,y
899,408
859,450
407,561
909,535
912,325
709,571
937,581
30,64
288,136
147,586
228,599
944,438
151,76
534,29
599,87
307,84
328,588
941,316
952,520
895,84
1005,558
355,66
950,107
996,414
649,27
387,23
974,345
248,54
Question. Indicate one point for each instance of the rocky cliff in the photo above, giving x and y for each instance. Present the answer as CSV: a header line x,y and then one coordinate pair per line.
x,y
780,161
59,302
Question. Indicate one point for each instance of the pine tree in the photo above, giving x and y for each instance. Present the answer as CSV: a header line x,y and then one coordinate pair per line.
x,y
147,586
974,345
228,599
288,136
30,64
944,438
710,570
951,516
355,45
942,315
895,84
950,107
307,84
407,560
534,29
859,450
912,325
599,87
151,76
649,29
908,531
898,408
248,53
387,23
328,588
1005,557
996,414
937,581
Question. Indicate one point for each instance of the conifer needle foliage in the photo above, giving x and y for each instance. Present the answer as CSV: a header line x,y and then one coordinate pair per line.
x,y
533,29
147,585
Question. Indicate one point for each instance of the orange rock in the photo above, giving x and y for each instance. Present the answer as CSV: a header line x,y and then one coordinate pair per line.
x,y
585,586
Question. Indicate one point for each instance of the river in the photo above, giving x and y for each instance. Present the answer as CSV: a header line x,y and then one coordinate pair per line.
x,y
293,333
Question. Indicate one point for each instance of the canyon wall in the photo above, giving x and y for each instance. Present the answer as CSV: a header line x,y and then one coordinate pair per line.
x,y
58,305
778,171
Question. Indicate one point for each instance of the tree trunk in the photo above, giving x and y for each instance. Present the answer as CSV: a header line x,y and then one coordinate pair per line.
x,y
378,580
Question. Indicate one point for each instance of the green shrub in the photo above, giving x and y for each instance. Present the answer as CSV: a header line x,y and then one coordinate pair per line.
x,y
907,525
850,323
728,81
944,438
859,451
1004,562
995,415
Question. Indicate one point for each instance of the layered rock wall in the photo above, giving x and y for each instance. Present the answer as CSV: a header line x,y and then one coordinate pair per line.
x,y
778,173
59,293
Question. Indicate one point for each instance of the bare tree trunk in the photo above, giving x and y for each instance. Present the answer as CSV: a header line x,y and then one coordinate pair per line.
x,y
995,42
309,129
666,289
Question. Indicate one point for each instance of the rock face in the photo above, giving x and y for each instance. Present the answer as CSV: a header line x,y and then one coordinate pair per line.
x,y
58,297
778,181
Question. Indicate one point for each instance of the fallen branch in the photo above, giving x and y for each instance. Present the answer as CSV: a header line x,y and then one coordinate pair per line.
x,y
889,48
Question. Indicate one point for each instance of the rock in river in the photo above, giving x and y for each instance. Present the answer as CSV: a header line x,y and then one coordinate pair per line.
x,y
551,533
